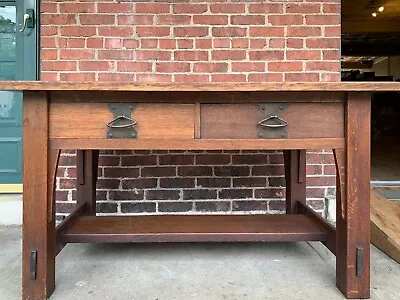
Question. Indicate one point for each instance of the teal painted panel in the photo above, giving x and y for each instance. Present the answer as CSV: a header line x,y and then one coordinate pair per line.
x,y
10,159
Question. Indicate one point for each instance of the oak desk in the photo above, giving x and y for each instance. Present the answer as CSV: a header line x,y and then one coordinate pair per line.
x,y
291,117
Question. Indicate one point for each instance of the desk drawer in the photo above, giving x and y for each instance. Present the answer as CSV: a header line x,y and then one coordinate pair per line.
x,y
297,120
89,120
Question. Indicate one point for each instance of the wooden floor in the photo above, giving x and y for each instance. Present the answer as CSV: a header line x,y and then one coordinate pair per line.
x,y
194,228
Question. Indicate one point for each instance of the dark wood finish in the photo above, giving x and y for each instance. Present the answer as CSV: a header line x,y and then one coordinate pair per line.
x,y
184,117
197,144
38,219
240,121
88,120
194,229
353,225
86,178
199,87
79,210
295,168
330,243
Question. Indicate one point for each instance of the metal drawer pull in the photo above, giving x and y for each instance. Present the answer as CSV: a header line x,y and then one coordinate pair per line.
x,y
131,124
263,122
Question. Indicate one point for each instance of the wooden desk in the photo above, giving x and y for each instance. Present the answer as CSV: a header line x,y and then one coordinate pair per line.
x,y
291,117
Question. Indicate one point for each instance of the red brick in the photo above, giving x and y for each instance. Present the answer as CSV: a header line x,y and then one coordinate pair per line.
x,y
76,54
96,19
230,8
330,77
190,31
268,31
75,43
48,30
77,7
213,159
95,66
135,20
115,54
303,31
323,20
323,66
302,77
266,8
115,31
115,7
149,43
58,65
152,8
113,43
266,55
78,31
265,77
240,43
203,43
185,44
59,19
167,43
49,76
77,77
190,55
48,7
131,44
229,31
305,8
222,43
120,172
285,19
248,67
210,20
331,8
329,169
315,192
228,54
153,78
210,67
153,55
277,43
133,66
330,54
323,43
285,66
94,43
332,31
191,78
173,20
228,77
258,43
248,20
172,67
295,43
189,8
48,54
303,55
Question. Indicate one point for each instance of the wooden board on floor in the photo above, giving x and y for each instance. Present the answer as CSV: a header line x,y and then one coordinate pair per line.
x,y
385,225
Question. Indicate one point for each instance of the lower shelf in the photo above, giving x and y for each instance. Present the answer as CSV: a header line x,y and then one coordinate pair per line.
x,y
124,229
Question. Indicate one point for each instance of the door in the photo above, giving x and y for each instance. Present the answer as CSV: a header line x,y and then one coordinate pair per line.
x,y
18,61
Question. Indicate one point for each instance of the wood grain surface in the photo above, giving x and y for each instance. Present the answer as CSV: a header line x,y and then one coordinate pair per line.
x,y
88,120
113,86
305,120
194,229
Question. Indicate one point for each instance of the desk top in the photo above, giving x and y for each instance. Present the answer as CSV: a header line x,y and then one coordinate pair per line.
x,y
194,87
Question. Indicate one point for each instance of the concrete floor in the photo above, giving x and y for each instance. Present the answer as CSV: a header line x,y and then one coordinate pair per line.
x,y
193,271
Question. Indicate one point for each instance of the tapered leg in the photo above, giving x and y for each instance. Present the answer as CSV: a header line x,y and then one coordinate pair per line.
x,y
87,164
40,164
295,175
353,192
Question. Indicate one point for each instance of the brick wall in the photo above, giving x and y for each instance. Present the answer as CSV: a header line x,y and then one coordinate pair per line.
x,y
192,41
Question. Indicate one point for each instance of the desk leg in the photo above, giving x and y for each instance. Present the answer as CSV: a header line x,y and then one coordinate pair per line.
x,y
353,192
86,177
295,175
40,164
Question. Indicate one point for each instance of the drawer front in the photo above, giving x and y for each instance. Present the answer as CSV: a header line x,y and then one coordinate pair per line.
x,y
296,120
89,120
